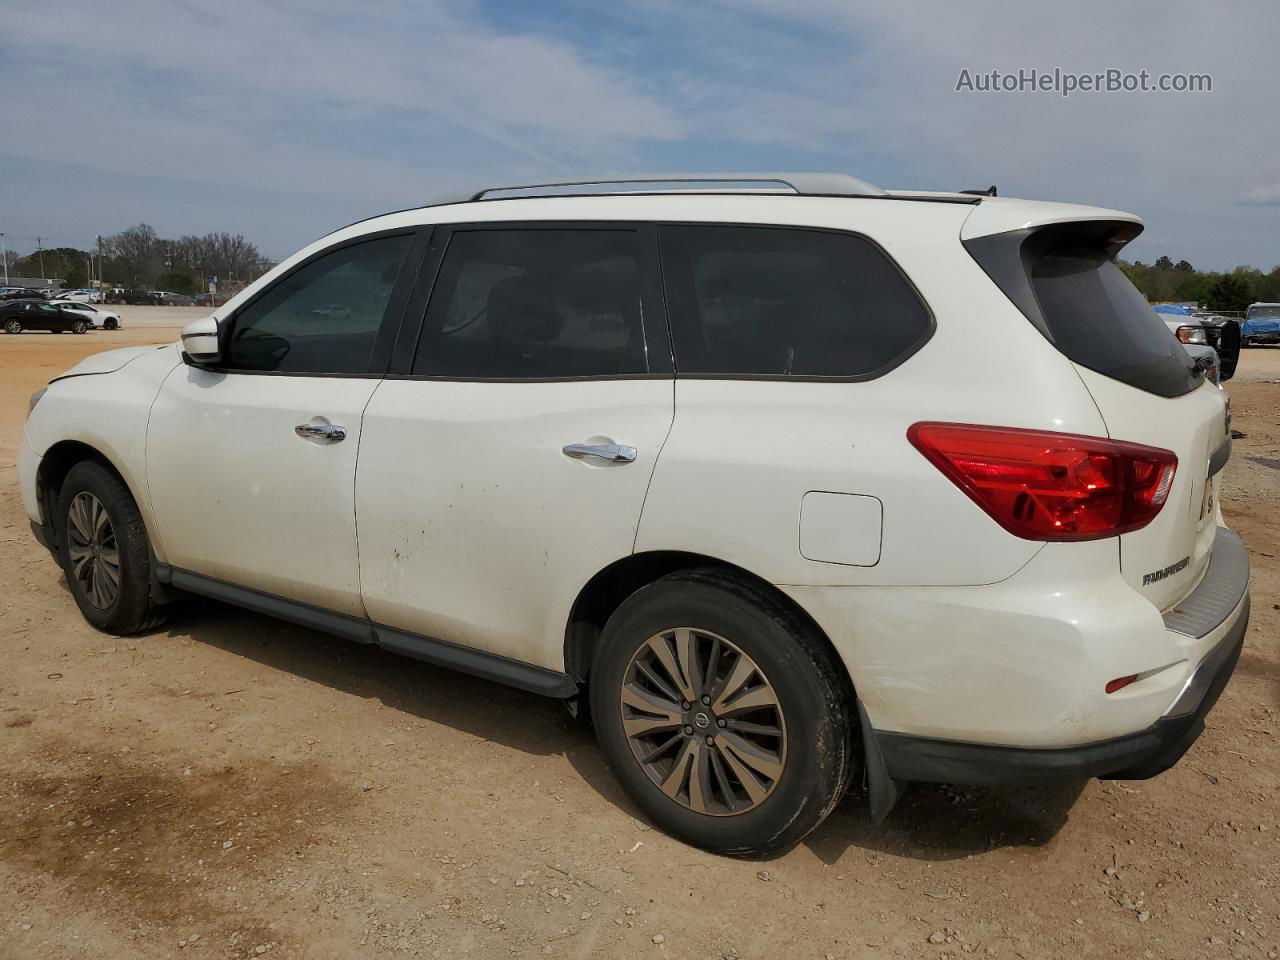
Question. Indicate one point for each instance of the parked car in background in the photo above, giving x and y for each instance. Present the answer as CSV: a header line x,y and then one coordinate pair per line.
x,y
100,317
22,293
736,470
80,296
19,315
1261,324
210,299
1200,330
173,299
136,298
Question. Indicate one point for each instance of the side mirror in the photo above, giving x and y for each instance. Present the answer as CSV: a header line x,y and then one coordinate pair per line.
x,y
200,342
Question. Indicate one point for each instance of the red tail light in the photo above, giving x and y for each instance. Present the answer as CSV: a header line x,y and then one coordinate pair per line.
x,y
1041,485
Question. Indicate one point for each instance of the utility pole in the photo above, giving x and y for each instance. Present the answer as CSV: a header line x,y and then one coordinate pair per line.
x,y
4,255
98,237
39,241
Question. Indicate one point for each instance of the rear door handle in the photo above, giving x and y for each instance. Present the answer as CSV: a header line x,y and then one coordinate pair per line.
x,y
323,432
612,452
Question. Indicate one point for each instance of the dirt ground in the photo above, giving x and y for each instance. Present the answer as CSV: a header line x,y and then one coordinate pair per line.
x,y
230,786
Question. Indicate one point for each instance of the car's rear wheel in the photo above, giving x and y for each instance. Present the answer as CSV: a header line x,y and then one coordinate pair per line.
x,y
13,326
104,550
723,714
79,327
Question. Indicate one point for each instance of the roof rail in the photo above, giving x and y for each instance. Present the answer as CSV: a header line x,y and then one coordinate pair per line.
x,y
801,184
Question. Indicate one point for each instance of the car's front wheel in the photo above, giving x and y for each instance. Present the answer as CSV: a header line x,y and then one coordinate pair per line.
x,y
723,714
13,326
111,324
104,550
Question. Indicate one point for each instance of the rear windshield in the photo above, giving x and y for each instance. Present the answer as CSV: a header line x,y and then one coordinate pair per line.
x,y
1064,278
1100,320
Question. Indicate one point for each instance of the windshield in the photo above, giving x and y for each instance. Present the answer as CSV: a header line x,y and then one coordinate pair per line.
x,y
1269,312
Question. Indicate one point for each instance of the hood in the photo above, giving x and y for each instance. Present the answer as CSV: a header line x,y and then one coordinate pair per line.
x,y
108,362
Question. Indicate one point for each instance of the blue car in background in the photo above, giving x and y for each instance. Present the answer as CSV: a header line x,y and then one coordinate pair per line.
x,y
1261,324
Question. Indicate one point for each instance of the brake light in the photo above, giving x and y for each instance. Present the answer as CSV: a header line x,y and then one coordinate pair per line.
x,y
1041,485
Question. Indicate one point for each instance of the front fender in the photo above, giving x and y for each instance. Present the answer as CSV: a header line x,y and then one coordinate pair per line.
x,y
107,412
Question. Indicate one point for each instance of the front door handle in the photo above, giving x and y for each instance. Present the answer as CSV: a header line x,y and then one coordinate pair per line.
x,y
612,452
323,432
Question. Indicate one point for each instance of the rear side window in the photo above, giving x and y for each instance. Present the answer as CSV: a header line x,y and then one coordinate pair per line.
x,y
1100,320
763,301
325,316
535,304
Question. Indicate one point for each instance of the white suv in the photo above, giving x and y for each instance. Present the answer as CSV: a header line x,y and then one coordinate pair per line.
x,y
791,479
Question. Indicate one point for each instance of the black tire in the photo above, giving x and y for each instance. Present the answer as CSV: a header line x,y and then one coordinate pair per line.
x,y
811,691
132,609
79,327
109,325
13,326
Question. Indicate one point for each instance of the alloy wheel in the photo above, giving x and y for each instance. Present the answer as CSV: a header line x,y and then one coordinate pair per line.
x,y
703,721
92,548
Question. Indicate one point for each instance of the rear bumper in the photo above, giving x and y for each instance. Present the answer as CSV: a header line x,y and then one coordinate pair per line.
x,y
1137,756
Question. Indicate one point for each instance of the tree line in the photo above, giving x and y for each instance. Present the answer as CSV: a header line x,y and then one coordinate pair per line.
x,y
139,258
1229,292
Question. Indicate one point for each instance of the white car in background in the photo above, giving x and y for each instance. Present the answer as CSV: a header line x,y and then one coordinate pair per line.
x,y
737,470
100,317
80,296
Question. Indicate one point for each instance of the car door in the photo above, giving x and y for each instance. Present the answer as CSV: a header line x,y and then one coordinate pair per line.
x,y
251,465
42,316
506,461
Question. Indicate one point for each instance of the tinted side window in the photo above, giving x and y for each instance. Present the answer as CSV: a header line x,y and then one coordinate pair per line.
x,y
516,304
323,317
786,302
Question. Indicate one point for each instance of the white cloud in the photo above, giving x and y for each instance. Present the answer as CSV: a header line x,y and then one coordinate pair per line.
x,y
1267,196
389,103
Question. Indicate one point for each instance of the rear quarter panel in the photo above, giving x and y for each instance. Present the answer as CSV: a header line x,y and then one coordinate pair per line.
x,y
742,453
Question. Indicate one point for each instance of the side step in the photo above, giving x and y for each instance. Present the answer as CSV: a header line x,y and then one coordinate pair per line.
x,y
478,663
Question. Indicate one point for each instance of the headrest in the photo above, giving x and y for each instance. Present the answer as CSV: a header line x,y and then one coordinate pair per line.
x,y
521,312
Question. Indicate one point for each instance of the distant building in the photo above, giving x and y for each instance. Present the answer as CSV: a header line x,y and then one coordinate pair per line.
x,y
36,282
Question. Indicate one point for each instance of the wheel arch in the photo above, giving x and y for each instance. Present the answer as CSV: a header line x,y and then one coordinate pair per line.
x,y
605,592
54,467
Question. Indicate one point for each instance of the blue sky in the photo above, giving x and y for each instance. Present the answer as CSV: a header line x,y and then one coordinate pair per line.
x,y
284,120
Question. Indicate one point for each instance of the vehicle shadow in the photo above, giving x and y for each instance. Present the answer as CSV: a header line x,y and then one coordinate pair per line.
x,y
930,822
934,821
489,711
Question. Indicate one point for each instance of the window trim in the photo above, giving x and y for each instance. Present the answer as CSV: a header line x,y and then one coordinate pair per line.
x,y
392,316
917,345
656,334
